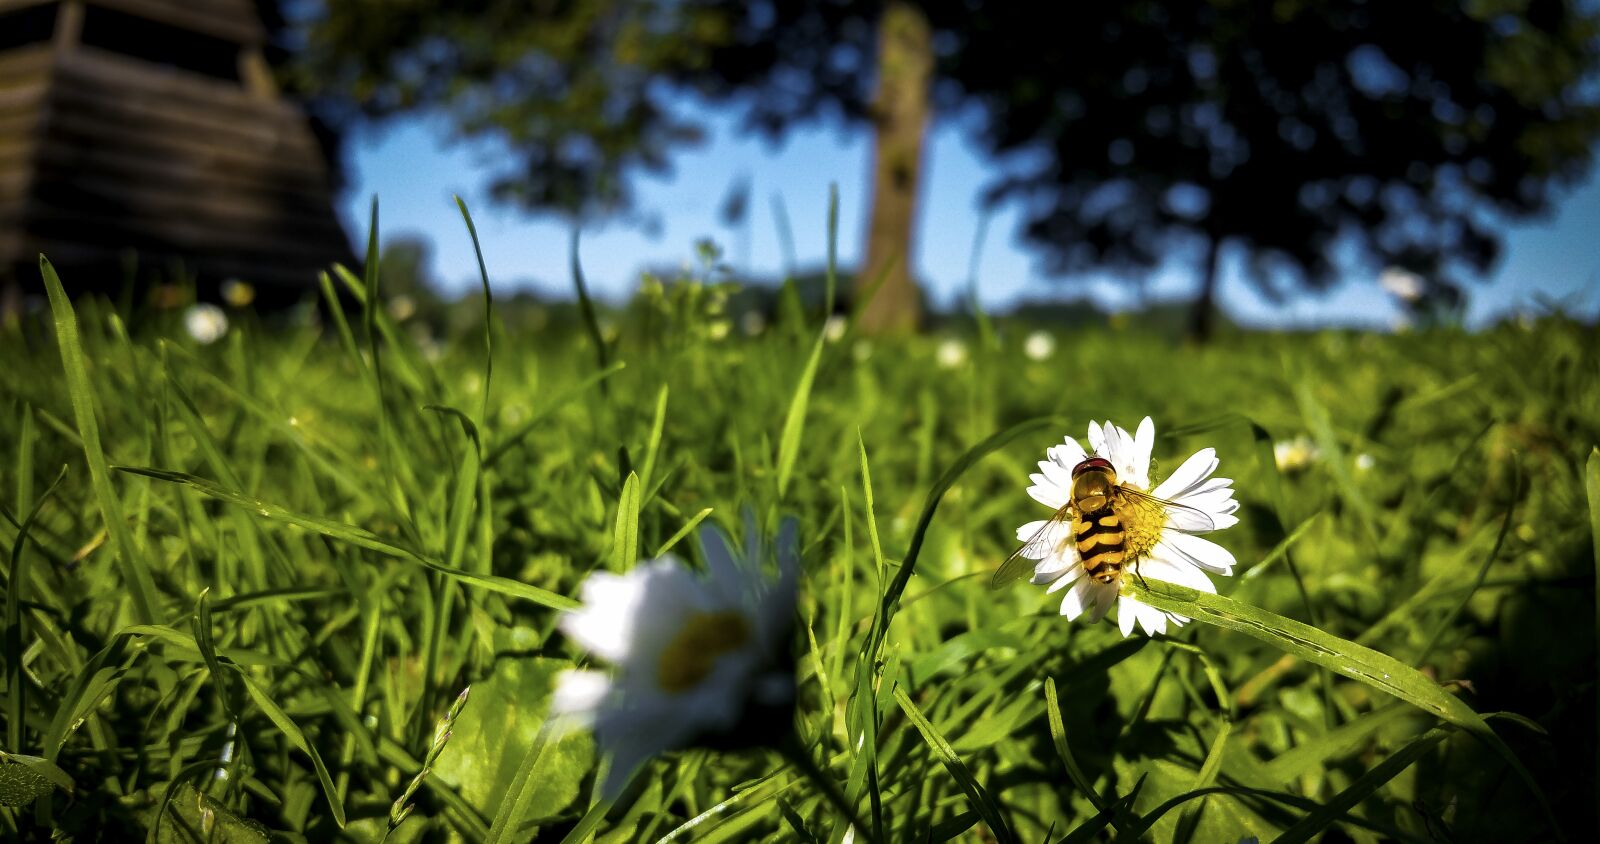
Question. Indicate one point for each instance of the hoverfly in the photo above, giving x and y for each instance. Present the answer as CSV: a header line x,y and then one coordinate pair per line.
x,y
1111,526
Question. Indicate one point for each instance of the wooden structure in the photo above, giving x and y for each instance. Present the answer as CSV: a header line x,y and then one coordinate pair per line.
x,y
148,134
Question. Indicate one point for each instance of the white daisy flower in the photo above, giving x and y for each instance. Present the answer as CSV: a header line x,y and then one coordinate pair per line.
x,y
834,328
1158,543
700,660
1040,345
952,353
1403,284
205,322
1295,455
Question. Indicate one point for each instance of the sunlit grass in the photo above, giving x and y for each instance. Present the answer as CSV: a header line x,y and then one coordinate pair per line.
x,y
274,562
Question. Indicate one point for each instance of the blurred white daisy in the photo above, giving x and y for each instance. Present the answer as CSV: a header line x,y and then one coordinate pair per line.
x,y
1040,345
700,660
834,328
1403,284
402,308
951,354
753,322
1295,455
238,294
1155,541
205,322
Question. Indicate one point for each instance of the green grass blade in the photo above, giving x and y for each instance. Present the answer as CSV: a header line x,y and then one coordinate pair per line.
x,y
897,587
652,448
1325,816
507,824
488,310
625,533
1591,488
1190,819
135,571
357,536
586,307
794,421
682,532
1058,735
16,705
982,803
291,731
1378,670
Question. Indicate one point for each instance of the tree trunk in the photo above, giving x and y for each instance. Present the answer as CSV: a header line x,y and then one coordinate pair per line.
x,y
1205,305
900,117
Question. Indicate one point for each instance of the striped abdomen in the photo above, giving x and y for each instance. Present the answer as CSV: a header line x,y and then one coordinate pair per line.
x,y
1100,543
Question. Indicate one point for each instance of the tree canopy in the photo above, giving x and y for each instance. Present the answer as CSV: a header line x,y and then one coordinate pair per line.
x,y
1394,133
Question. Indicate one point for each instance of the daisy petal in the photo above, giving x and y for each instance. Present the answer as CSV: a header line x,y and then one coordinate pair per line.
x,y
1047,493
1199,552
1097,438
1162,567
579,694
1197,468
1126,615
1139,464
1103,595
1076,599
1067,455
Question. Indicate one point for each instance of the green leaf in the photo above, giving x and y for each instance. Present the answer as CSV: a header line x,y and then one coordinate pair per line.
x,y
20,785
135,572
492,738
625,533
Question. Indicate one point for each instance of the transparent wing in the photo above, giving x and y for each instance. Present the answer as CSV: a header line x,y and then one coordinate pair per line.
x,y
1023,560
1180,516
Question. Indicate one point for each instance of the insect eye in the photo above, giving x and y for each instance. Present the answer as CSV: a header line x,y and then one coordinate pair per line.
x,y
1091,463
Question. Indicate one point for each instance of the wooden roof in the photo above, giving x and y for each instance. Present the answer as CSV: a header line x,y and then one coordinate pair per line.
x,y
232,20
103,153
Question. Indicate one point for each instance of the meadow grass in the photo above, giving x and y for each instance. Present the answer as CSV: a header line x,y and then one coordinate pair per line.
x,y
270,566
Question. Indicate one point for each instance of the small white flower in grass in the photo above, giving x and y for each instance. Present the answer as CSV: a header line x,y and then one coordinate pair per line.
x,y
699,660
1295,455
205,322
1156,542
952,353
238,294
834,328
753,322
1403,284
1040,345
1365,462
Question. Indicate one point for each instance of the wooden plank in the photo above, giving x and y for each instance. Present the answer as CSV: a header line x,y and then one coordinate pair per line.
x,y
104,68
66,129
25,61
71,256
147,95
240,209
191,174
121,227
230,20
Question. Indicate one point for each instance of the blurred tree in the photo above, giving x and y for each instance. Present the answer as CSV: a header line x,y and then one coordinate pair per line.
x,y
1291,132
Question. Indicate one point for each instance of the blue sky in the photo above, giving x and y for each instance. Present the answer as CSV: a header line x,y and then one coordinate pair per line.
x,y
414,170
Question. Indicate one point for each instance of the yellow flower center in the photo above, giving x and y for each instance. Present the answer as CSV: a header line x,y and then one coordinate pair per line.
x,y
1141,527
689,657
